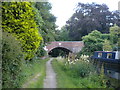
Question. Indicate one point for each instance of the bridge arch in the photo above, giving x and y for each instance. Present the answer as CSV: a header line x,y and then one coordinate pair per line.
x,y
73,46
59,51
59,47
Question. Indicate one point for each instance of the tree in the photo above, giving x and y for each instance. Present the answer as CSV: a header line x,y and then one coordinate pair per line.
x,y
105,36
107,46
19,19
89,17
93,42
115,35
46,24
47,29
62,35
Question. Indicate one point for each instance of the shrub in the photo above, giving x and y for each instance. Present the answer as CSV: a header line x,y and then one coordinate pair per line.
x,y
41,52
107,46
78,68
82,69
12,58
80,74
18,19
93,42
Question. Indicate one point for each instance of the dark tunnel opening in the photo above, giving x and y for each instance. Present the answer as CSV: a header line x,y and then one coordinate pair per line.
x,y
59,51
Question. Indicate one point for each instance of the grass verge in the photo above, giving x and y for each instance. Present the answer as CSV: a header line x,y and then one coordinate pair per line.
x,y
66,78
63,81
30,72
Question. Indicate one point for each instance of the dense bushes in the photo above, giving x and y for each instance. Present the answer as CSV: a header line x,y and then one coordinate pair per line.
x,y
23,26
77,74
19,19
82,70
96,41
93,42
41,52
12,60
20,41
107,46
78,68
115,36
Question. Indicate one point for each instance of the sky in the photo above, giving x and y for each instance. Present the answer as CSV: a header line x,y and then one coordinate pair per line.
x,y
63,9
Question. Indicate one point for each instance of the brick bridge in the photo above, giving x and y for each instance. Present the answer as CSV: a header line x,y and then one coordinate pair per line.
x,y
72,46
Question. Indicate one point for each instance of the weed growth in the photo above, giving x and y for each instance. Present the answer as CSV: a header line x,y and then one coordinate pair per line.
x,y
78,74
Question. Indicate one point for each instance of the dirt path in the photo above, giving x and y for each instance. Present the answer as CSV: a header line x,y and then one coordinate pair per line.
x,y
50,80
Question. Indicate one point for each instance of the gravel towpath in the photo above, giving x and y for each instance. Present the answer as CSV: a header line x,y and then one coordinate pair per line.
x,y
50,80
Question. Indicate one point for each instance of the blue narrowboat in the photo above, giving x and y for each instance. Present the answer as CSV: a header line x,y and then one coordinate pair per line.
x,y
110,61
107,56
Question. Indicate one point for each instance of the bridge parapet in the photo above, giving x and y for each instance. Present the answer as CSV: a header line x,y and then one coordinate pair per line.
x,y
73,46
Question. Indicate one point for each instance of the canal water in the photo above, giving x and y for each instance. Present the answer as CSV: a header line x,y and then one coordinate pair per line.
x,y
110,69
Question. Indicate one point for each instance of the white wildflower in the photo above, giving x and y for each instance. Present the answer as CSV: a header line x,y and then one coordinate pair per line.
x,y
68,60
87,60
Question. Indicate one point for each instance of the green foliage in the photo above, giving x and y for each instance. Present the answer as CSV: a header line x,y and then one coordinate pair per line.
x,y
102,75
47,29
119,44
46,24
12,60
107,46
82,69
29,72
18,19
105,36
115,35
79,67
38,17
79,75
41,52
62,35
91,16
93,42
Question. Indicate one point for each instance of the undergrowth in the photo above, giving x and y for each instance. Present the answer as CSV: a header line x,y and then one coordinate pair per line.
x,y
30,70
79,74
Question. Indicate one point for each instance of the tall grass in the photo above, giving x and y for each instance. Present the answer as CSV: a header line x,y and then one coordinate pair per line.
x,y
79,74
29,72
